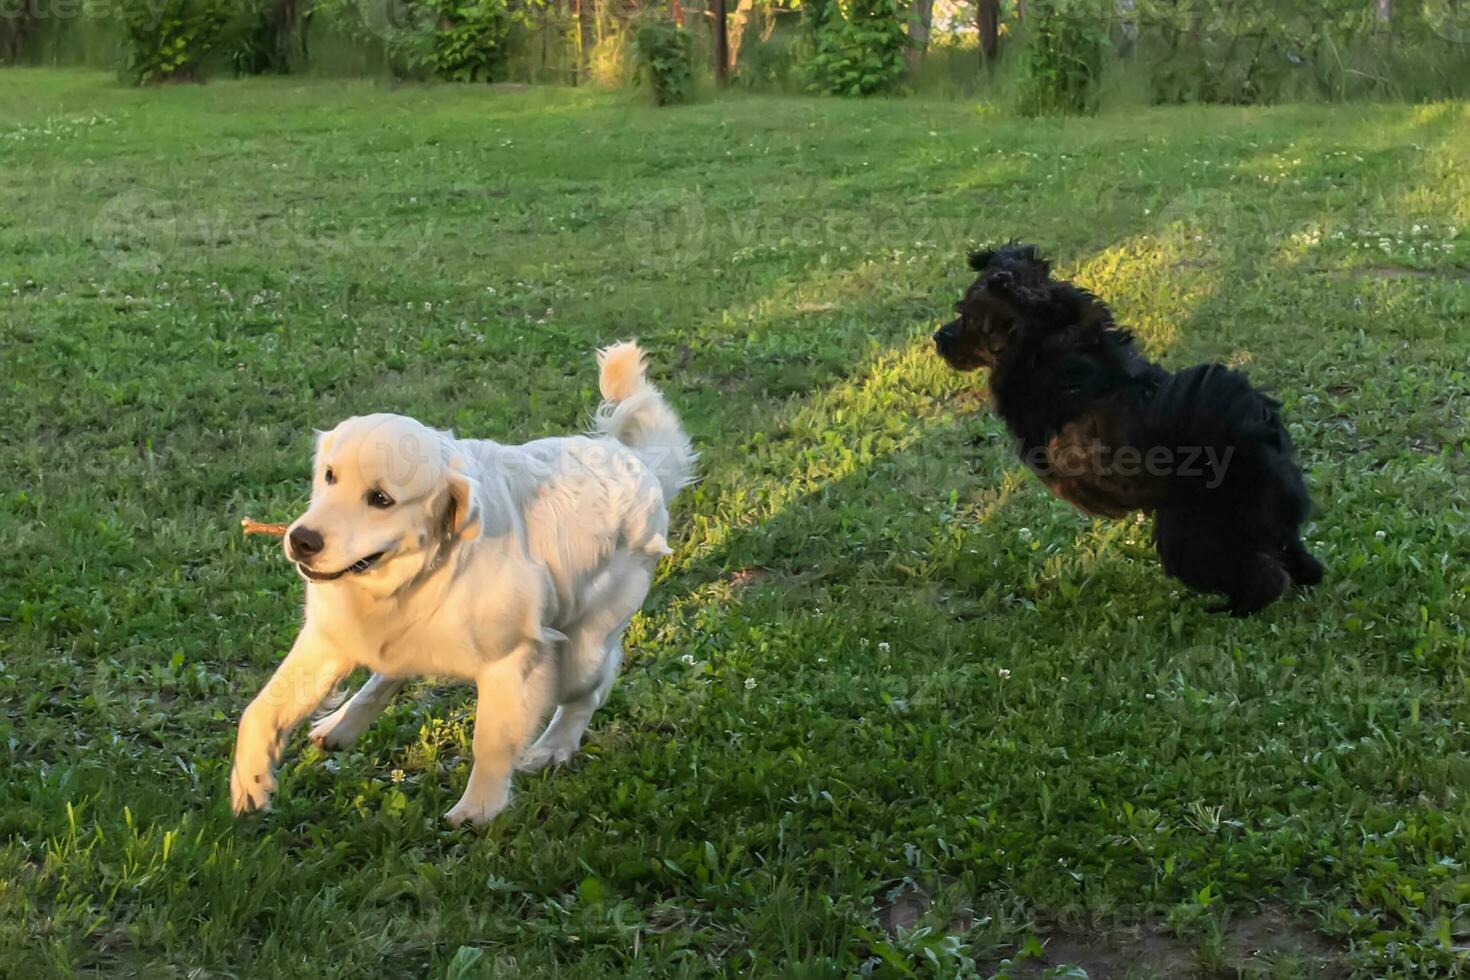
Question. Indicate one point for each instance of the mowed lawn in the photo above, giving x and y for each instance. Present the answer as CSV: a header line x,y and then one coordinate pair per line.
x,y
890,707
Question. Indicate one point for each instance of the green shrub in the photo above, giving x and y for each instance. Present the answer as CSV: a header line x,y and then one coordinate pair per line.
x,y
19,22
773,63
456,40
1255,51
270,37
859,47
1063,57
664,57
469,43
168,40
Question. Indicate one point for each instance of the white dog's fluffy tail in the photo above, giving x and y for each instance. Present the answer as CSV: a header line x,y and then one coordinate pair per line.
x,y
634,412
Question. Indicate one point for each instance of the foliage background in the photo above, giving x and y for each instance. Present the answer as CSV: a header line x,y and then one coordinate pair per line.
x,y
1137,51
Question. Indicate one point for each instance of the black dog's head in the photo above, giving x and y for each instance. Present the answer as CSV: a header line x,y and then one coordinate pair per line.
x,y
1010,276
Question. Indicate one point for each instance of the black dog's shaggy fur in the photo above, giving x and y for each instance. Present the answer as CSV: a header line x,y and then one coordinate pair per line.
x,y
1114,433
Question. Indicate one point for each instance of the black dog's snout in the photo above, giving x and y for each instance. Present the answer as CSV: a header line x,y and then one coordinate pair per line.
x,y
305,543
944,336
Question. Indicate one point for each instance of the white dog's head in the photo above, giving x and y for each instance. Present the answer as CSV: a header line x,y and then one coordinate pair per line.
x,y
387,496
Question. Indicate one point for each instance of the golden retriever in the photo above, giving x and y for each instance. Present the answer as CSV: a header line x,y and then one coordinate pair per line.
x,y
516,568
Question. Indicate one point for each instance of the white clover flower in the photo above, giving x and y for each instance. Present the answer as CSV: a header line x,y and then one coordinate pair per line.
x,y
750,683
1005,674
884,647
397,775
687,660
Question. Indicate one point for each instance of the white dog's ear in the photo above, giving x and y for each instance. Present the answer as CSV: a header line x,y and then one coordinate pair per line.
x,y
323,442
463,516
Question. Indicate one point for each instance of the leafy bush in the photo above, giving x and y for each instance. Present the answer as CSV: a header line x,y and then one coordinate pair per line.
x,y
19,21
469,43
270,37
168,40
774,63
608,62
1253,51
814,15
1063,58
456,40
664,55
859,47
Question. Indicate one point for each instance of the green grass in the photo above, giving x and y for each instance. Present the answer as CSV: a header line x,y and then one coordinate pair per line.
x,y
882,659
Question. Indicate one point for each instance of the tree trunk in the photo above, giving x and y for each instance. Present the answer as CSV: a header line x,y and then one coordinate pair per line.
x,y
722,43
919,29
1127,26
1383,14
586,11
16,27
286,28
739,21
988,20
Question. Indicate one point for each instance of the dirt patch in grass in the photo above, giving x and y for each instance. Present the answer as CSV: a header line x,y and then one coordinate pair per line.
x,y
1273,936
1263,943
1131,953
905,906
743,577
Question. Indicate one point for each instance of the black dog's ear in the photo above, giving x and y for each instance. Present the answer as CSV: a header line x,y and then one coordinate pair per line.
x,y
1002,282
1033,255
981,258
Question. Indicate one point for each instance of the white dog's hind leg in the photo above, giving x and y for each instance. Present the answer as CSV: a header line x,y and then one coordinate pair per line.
x,y
513,695
355,715
563,736
589,662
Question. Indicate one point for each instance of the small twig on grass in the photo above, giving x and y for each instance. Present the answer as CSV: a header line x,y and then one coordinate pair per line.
x,y
251,526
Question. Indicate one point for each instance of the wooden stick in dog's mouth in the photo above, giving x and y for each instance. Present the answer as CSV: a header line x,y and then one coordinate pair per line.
x,y
251,526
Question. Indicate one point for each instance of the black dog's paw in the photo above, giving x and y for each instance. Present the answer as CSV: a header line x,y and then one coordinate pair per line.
x,y
1308,571
1304,569
1237,610
1260,582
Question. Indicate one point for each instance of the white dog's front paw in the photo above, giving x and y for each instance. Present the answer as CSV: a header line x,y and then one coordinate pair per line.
x,y
544,754
253,776
251,784
474,811
478,812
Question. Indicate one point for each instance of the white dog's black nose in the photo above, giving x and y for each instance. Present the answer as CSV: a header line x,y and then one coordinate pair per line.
x,y
306,544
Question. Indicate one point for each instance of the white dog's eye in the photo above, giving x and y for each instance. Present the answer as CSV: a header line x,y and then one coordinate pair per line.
x,y
379,499
329,476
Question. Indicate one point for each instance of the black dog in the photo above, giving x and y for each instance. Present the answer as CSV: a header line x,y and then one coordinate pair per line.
x,y
1113,433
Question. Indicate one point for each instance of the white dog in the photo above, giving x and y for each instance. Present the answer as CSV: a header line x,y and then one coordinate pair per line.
x,y
514,567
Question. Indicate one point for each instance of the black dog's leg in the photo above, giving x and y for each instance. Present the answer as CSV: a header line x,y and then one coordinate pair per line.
x,y
1256,580
1214,559
1304,569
